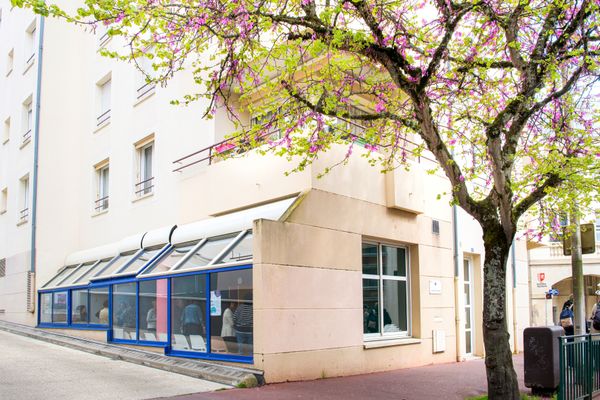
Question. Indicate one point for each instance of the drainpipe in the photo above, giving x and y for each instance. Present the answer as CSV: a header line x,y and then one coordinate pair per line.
x,y
36,140
457,262
513,259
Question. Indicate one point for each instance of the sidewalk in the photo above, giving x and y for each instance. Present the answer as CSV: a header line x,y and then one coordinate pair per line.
x,y
454,381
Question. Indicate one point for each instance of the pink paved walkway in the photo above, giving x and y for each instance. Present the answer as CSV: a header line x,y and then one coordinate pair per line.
x,y
446,381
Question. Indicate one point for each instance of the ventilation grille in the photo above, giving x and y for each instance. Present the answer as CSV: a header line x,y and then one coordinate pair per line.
x,y
30,292
435,227
2,267
2,311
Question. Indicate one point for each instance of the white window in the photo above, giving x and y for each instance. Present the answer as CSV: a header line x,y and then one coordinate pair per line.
x,y
386,304
29,48
24,199
6,131
102,174
145,87
145,172
27,119
10,61
103,100
3,200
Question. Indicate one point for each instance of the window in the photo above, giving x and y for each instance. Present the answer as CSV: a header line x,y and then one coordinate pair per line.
x,y
79,306
104,93
3,200
59,277
24,209
29,48
385,290
124,311
153,310
59,307
145,177
10,61
231,312
170,258
98,306
120,262
27,119
188,311
46,308
6,131
102,175
207,252
141,260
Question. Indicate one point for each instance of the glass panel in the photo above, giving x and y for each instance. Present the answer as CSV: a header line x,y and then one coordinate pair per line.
x,y
467,318
395,311
467,294
118,264
77,274
369,259
60,276
188,306
207,252
46,308
468,348
152,319
99,306
59,307
240,252
394,261
79,306
370,306
169,259
466,271
231,313
140,261
124,311
84,278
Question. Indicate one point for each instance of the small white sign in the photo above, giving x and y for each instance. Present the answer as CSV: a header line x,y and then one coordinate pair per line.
x,y
435,287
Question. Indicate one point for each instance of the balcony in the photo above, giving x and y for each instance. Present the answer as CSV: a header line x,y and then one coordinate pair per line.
x,y
145,90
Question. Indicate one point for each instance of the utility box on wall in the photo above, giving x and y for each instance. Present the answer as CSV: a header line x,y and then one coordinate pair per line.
x,y
439,341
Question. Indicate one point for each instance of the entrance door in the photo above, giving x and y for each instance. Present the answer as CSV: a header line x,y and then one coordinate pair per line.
x,y
468,287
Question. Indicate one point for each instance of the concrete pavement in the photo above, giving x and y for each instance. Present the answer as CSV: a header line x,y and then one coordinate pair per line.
x,y
455,381
33,369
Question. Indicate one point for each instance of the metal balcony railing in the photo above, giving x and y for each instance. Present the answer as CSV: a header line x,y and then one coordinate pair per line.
x,y
103,39
218,150
145,89
101,204
144,187
30,59
27,136
24,215
102,118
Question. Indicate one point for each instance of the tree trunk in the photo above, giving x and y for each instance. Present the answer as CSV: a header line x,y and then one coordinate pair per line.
x,y
501,375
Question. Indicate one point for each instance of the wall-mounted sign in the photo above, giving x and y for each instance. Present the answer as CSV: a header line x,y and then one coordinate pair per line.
x,y
435,286
541,276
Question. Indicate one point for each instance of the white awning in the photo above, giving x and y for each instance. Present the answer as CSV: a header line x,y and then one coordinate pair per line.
x,y
230,223
93,254
131,243
158,236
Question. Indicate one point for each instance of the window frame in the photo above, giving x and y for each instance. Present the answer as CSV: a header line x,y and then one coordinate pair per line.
x,y
102,174
381,278
144,184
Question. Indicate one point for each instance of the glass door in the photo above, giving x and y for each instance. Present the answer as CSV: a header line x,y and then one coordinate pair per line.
x,y
468,287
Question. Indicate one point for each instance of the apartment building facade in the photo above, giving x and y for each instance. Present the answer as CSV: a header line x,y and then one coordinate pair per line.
x,y
137,243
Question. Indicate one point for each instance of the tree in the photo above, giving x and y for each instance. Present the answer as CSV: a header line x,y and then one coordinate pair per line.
x,y
501,92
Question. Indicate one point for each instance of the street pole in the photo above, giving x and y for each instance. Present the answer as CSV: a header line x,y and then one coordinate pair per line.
x,y
577,273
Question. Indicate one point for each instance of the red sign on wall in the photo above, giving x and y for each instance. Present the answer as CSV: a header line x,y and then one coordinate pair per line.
x,y
541,276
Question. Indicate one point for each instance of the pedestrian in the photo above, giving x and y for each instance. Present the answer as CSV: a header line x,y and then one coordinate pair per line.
x,y
243,325
566,318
